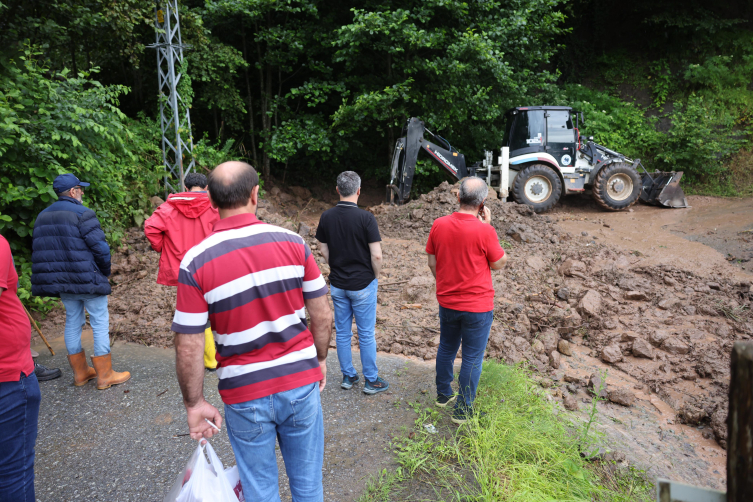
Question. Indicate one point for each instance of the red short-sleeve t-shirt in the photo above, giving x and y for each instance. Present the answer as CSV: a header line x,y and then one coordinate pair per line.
x,y
15,333
463,247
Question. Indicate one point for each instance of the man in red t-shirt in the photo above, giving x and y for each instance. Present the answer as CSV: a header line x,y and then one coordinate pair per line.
x,y
462,249
19,388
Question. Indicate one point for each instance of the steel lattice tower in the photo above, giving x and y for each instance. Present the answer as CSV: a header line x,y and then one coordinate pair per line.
x,y
175,118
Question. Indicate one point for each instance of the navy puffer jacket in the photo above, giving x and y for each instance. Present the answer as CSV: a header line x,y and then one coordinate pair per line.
x,y
69,251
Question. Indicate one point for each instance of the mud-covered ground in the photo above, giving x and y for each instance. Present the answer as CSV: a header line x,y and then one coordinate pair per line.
x,y
584,290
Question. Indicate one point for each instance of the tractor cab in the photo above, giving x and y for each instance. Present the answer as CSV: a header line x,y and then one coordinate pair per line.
x,y
542,130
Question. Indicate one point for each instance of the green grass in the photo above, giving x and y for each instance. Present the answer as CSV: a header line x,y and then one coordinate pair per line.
x,y
522,450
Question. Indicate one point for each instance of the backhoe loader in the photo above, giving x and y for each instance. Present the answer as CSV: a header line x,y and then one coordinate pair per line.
x,y
542,158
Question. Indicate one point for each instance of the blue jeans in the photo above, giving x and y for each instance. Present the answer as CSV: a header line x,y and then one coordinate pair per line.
x,y
19,414
99,318
294,417
472,329
362,305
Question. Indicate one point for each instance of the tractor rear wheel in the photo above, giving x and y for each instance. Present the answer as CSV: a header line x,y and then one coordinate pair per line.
x,y
537,186
617,186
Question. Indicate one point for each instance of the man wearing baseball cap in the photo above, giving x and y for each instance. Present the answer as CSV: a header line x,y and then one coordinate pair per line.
x,y
71,260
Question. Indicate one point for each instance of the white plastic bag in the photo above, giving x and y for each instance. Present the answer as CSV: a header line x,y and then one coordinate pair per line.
x,y
203,481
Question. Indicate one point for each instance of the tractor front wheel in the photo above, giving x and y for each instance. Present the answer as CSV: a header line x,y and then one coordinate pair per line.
x,y
617,186
537,186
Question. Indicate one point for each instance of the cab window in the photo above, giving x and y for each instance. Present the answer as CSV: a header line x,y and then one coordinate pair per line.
x,y
528,130
560,127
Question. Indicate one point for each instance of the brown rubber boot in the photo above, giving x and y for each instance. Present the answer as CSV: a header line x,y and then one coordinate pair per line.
x,y
106,377
82,373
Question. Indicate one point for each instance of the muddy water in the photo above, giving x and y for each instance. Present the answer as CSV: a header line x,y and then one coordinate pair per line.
x,y
713,236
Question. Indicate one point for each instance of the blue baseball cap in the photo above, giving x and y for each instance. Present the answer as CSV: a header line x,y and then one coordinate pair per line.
x,y
66,181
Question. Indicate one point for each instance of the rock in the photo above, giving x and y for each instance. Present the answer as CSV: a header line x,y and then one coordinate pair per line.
x,y
324,269
428,355
156,201
570,403
714,285
595,383
641,348
563,294
723,329
689,309
417,214
719,425
675,346
571,378
691,415
564,348
590,304
569,267
303,229
549,339
670,281
554,360
668,303
420,289
434,342
537,347
303,193
611,354
274,191
396,348
622,396
522,325
536,263
658,336
636,295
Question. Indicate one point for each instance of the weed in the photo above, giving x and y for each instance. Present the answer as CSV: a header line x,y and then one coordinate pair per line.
x,y
585,442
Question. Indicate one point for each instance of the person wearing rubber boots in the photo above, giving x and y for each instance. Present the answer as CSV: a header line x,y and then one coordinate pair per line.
x,y
175,227
71,260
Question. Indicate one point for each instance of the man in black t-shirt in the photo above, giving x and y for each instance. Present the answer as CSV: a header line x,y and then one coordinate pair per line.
x,y
350,243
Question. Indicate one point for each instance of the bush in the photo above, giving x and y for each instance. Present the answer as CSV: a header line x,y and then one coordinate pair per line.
x,y
52,123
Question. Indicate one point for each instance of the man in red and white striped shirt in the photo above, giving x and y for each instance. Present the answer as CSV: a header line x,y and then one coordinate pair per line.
x,y
254,283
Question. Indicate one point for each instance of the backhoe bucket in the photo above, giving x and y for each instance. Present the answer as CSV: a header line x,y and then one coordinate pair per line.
x,y
663,189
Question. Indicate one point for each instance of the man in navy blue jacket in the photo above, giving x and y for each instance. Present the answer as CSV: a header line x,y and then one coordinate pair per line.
x,y
71,260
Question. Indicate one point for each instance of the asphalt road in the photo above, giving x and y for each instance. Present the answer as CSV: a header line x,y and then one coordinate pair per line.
x,y
119,444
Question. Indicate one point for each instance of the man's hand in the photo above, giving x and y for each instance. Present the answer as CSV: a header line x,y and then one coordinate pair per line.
x,y
197,426
486,217
323,367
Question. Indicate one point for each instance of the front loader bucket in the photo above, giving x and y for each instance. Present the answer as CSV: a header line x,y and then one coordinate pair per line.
x,y
663,189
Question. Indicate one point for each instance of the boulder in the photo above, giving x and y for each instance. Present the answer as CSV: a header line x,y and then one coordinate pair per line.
x,y
595,383
554,360
420,289
417,214
622,396
536,263
570,267
563,294
590,304
522,325
303,229
324,268
303,193
396,348
636,295
641,348
675,346
564,348
611,354
668,303
549,339
537,347
570,403
657,337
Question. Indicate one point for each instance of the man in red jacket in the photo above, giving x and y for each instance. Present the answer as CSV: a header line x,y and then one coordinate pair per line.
x,y
175,227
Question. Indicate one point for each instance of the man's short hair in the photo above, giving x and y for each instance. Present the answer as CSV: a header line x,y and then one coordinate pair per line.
x,y
348,183
195,180
472,193
233,192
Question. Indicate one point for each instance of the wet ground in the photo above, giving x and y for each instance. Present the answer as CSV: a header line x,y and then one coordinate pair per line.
x,y
120,444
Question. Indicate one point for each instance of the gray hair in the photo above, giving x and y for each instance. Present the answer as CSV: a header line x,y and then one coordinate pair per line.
x,y
348,183
472,193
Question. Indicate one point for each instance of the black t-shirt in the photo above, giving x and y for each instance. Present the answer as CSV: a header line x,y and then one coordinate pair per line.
x,y
348,231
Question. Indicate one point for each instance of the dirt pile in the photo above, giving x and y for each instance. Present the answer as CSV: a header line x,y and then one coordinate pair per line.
x,y
669,328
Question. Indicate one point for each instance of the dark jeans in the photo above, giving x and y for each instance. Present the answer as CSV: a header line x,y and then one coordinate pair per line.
x,y
19,413
472,329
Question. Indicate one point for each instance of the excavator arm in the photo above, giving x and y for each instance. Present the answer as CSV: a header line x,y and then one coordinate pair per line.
x,y
405,157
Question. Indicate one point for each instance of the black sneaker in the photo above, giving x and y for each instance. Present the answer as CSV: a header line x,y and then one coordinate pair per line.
x,y
443,400
375,387
349,381
43,373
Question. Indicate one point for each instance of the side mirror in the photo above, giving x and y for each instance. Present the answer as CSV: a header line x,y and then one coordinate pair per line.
x,y
590,138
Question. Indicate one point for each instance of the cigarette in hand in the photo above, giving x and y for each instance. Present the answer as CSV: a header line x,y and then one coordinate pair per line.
x,y
211,423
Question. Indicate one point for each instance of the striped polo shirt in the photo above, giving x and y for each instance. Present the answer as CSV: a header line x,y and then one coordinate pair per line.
x,y
250,279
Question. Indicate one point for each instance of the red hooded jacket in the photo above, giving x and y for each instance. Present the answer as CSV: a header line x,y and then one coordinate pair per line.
x,y
175,227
